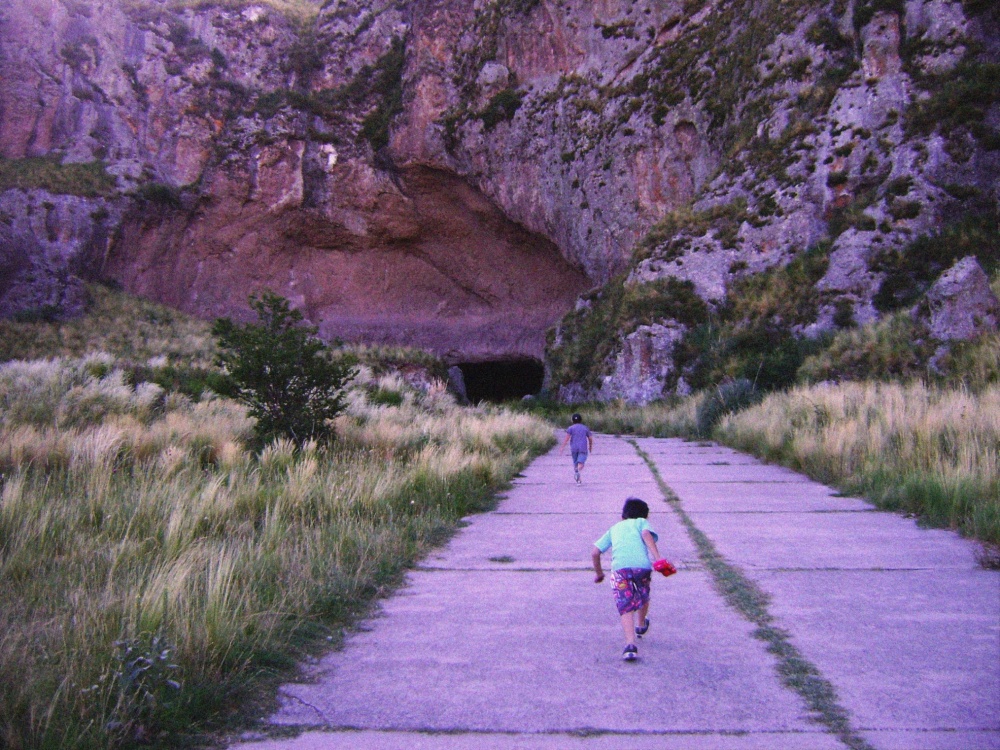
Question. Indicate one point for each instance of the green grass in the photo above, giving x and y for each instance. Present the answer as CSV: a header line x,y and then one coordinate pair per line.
x,y
89,180
899,348
135,523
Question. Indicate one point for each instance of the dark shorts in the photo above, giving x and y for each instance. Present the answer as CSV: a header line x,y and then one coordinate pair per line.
x,y
579,457
631,587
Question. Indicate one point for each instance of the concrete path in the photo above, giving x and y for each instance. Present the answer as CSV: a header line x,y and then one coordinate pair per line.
x,y
501,639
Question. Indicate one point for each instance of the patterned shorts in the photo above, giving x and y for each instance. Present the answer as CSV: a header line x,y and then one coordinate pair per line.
x,y
631,587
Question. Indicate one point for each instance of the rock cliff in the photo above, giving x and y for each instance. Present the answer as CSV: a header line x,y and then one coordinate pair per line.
x,y
455,174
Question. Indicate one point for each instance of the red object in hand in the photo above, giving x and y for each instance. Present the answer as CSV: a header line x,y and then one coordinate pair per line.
x,y
662,566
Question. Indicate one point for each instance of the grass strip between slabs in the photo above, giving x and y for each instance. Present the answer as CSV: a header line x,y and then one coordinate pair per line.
x,y
796,672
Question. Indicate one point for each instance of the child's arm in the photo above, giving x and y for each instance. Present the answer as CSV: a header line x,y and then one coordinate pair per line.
x,y
598,571
647,537
565,443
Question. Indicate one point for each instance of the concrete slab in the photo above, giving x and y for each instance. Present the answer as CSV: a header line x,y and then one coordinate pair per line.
x,y
777,497
728,472
596,494
841,541
683,450
916,651
370,740
540,652
556,541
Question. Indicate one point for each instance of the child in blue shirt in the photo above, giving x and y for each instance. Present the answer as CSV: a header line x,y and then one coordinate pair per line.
x,y
633,551
580,440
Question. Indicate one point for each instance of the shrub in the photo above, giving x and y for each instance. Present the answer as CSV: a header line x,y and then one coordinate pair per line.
x,y
387,82
501,108
280,371
588,335
751,335
866,10
385,397
910,271
727,398
960,100
159,194
895,348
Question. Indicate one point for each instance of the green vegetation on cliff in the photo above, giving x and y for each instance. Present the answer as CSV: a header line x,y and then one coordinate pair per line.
x,y
87,179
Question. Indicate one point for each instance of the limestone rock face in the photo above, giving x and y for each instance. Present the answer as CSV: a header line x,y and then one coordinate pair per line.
x,y
428,262
960,305
454,174
44,240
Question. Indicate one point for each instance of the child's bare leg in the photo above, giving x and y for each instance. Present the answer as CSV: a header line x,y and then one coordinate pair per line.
x,y
628,625
640,615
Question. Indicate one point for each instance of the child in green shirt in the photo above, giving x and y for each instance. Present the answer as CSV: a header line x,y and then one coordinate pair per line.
x,y
633,551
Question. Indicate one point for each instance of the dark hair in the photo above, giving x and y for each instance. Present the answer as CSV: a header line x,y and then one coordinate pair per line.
x,y
577,419
635,508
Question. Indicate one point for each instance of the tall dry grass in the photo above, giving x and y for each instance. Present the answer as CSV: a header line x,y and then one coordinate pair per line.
x,y
153,574
927,450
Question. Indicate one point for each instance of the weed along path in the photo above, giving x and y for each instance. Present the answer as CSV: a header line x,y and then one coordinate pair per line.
x,y
798,620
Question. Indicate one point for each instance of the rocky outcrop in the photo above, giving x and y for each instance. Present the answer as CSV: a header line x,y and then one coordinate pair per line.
x,y
644,366
846,142
43,241
960,305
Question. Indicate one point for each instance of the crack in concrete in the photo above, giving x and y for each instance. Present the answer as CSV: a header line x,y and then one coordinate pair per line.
x,y
307,704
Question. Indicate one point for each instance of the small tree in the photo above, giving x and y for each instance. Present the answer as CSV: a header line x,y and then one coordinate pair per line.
x,y
282,372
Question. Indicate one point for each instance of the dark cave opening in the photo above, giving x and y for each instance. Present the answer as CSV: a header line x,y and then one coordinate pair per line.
x,y
502,379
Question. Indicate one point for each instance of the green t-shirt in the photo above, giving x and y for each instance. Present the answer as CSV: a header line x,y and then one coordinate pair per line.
x,y
627,548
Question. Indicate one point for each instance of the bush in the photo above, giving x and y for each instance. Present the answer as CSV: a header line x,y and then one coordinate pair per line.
x,y
895,348
501,108
387,83
730,397
159,194
281,372
910,271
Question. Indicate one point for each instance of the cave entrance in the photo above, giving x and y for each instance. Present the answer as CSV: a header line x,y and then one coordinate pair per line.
x,y
502,379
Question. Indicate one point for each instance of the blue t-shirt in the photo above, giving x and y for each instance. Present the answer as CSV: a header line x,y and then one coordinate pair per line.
x,y
578,434
627,548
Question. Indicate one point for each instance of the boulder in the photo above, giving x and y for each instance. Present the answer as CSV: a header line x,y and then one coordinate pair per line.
x,y
960,305
644,366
